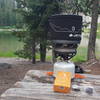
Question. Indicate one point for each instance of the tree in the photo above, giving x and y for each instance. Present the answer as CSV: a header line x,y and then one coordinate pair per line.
x,y
29,10
51,7
78,6
92,37
90,8
35,15
7,14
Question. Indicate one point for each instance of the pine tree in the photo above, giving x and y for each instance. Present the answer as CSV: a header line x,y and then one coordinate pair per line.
x,y
35,15
7,14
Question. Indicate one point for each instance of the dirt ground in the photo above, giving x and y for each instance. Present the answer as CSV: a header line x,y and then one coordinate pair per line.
x,y
16,69
93,65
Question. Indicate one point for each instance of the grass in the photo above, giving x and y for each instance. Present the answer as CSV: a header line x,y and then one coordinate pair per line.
x,y
8,44
87,30
81,55
8,54
48,58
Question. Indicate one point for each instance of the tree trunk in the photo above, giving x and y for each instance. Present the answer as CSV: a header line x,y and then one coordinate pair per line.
x,y
33,53
53,55
92,37
43,50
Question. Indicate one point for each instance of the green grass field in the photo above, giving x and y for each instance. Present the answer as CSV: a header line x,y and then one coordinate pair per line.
x,y
81,55
86,30
8,44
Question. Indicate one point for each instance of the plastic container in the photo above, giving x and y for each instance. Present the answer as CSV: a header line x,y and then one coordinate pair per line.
x,y
65,67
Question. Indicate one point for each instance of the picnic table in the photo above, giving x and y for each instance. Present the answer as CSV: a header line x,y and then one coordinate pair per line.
x,y
37,86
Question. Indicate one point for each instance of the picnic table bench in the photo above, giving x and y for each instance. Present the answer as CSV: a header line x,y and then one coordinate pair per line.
x,y
35,86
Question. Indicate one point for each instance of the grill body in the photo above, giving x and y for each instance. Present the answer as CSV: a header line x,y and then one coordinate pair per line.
x,y
65,34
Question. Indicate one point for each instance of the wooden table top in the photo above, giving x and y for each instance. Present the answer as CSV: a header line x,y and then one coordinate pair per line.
x,y
31,89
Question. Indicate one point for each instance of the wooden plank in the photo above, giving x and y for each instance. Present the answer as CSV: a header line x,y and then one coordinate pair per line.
x,y
36,94
34,85
44,92
77,98
39,91
24,98
31,85
35,98
92,76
